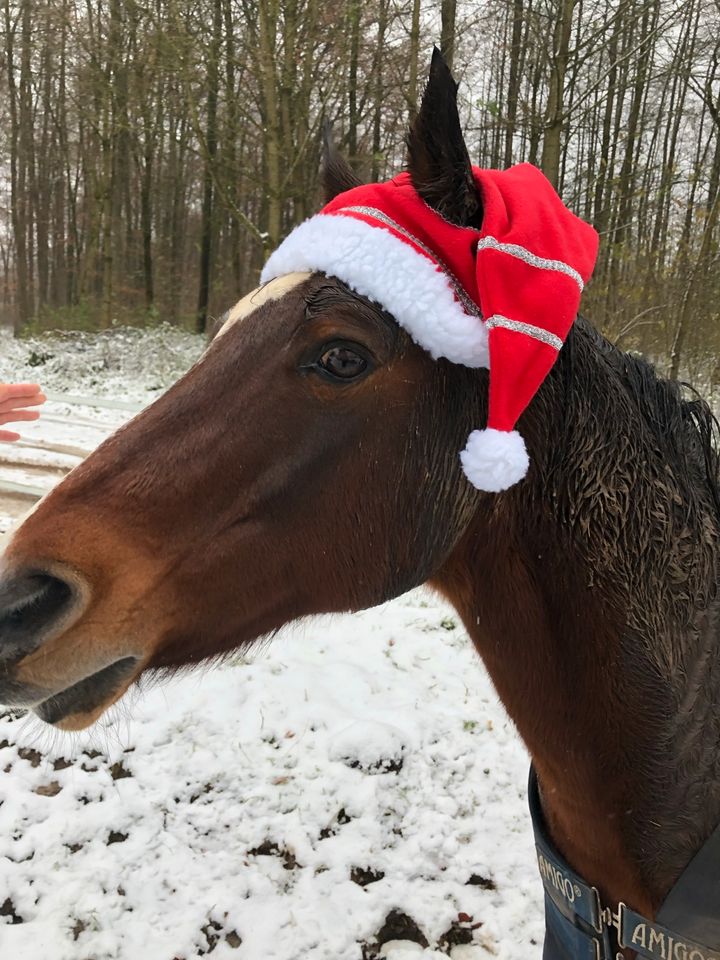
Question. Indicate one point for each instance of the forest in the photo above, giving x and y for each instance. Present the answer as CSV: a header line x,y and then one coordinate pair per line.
x,y
153,153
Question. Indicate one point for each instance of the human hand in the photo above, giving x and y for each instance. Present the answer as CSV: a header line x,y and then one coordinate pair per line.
x,y
14,399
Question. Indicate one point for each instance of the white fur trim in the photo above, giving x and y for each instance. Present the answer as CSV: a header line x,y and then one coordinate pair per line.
x,y
494,460
378,265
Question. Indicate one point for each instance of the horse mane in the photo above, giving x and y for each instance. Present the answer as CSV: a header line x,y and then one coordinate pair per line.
x,y
684,429
627,424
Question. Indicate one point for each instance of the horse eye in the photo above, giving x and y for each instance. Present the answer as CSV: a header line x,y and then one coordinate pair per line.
x,y
342,363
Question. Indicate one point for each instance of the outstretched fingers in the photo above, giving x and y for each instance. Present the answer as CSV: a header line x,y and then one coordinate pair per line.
x,y
15,398
12,416
16,395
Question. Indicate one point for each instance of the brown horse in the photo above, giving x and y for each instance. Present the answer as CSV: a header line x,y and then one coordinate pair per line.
x,y
308,463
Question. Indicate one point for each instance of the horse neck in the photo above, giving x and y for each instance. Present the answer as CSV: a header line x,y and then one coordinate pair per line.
x,y
589,591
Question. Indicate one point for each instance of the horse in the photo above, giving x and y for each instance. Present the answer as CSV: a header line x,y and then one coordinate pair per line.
x,y
308,463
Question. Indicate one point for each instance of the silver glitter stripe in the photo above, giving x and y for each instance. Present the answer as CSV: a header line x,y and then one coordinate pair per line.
x,y
374,214
515,250
517,326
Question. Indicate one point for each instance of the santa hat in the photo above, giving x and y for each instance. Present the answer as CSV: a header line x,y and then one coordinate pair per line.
x,y
502,297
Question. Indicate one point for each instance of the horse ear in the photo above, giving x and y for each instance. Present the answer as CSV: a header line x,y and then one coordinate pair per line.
x,y
438,161
336,174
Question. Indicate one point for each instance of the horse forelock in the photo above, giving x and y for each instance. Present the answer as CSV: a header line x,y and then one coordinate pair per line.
x,y
272,290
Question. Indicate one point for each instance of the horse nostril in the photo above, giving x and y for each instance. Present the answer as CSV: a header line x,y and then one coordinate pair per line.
x,y
28,606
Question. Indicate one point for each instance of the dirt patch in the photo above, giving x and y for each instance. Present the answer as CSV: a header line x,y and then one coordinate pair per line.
x,y
459,933
118,771
477,881
270,849
7,909
397,926
210,931
363,876
214,934
384,765
116,837
340,820
33,757
51,789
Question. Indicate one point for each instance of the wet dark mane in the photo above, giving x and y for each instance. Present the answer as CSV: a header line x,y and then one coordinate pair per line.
x,y
623,425
684,429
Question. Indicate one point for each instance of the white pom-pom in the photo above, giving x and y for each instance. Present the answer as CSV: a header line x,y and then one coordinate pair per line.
x,y
494,460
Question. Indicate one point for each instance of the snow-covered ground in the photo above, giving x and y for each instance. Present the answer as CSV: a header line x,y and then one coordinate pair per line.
x,y
354,790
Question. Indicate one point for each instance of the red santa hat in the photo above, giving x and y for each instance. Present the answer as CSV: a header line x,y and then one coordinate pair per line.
x,y
502,297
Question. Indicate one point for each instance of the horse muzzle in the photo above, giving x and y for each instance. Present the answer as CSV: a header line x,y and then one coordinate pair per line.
x,y
63,687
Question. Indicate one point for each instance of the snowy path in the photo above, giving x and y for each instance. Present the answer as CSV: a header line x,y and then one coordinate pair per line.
x,y
355,782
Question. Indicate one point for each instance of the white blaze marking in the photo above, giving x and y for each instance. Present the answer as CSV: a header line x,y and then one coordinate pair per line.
x,y
273,290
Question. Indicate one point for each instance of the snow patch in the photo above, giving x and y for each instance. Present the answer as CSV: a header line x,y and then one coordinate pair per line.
x,y
371,746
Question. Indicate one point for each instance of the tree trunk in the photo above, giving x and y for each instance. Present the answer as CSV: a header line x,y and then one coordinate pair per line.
x,y
414,56
353,115
232,171
17,179
702,263
554,114
378,105
514,80
206,236
448,14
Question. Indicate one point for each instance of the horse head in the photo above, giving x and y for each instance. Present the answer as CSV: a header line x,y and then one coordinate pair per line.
x,y
308,463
